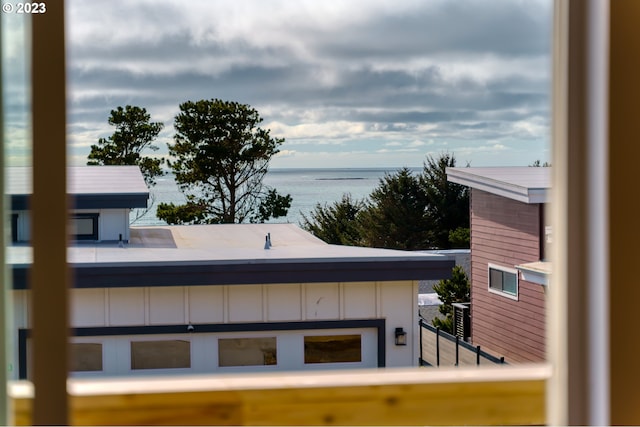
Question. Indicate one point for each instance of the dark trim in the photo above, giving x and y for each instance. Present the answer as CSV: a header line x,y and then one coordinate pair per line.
x,y
378,324
14,227
466,345
20,202
247,272
23,334
94,229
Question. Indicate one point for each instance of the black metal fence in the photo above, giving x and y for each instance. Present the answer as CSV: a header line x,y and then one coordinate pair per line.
x,y
439,348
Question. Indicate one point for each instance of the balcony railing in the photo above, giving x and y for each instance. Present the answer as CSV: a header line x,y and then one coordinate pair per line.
x,y
509,395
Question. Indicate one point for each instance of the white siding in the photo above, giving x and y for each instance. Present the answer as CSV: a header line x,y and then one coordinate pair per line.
x,y
166,306
206,304
396,302
112,223
284,303
126,306
322,301
398,299
245,303
88,307
359,300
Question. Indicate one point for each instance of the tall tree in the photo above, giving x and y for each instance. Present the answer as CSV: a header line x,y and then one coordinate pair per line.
x,y
337,223
134,133
396,215
220,157
448,203
405,211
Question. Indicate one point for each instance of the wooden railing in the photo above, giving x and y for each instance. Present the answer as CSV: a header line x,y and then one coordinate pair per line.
x,y
507,395
438,348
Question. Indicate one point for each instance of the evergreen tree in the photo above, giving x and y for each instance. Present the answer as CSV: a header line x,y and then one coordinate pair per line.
x,y
220,157
134,133
454,290
338,223
405,211
448,203
396,217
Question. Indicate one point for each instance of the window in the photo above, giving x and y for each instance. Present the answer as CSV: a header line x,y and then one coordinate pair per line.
x,y
160,354
503,280
247,351
624,39
332,349
84,226
85,357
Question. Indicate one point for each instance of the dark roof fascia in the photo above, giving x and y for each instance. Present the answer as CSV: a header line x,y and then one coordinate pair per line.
x,y
20,202
163,274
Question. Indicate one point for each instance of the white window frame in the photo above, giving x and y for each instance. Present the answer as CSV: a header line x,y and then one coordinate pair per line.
x,y
504,270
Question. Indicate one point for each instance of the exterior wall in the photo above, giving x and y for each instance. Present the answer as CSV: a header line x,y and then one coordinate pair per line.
x,y
237,304
23,232
506,233
111,223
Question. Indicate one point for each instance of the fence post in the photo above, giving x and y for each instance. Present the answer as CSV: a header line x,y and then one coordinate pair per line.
x,y
420,361
437,346
478,355
457,345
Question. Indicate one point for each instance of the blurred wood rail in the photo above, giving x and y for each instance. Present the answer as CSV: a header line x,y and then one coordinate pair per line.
x,y
426,396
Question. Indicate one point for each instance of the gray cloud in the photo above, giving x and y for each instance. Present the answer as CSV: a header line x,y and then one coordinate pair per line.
x,y
360,73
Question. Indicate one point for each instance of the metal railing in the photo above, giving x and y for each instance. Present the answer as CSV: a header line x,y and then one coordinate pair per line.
x,y
439,348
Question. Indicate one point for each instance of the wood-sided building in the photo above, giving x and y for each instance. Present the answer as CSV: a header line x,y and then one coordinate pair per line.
x,y
509,273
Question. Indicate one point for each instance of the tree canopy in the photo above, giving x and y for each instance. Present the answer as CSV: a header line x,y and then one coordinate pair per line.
x,y
448,203
134,133
396,216
219,157
338,223
450,291
406,211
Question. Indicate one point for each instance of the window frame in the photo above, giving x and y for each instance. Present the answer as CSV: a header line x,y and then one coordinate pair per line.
x,y
137,341
569,401
309,341
502,292
72,354
94,236
222,349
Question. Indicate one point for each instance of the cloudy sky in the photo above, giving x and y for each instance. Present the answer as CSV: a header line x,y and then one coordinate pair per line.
x,y
352,83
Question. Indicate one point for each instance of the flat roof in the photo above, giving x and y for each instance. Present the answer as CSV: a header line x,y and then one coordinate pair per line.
x,y
233,254
536,272
524,184
90,187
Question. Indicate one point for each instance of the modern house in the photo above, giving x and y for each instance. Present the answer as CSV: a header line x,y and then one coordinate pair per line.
x,y
100,199
218,299
509,271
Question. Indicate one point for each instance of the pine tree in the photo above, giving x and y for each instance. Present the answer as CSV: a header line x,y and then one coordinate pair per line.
x,y
454,290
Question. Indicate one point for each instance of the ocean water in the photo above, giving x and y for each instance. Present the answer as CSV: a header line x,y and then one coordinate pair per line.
x,y
307,187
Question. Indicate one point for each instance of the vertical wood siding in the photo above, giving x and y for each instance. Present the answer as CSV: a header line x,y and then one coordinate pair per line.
x,y
506,232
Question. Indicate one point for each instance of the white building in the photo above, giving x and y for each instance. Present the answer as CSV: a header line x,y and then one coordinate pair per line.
x,y
211,298
100,199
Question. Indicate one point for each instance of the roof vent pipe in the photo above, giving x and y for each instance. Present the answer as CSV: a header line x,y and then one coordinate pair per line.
x,y
267,244
120,242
